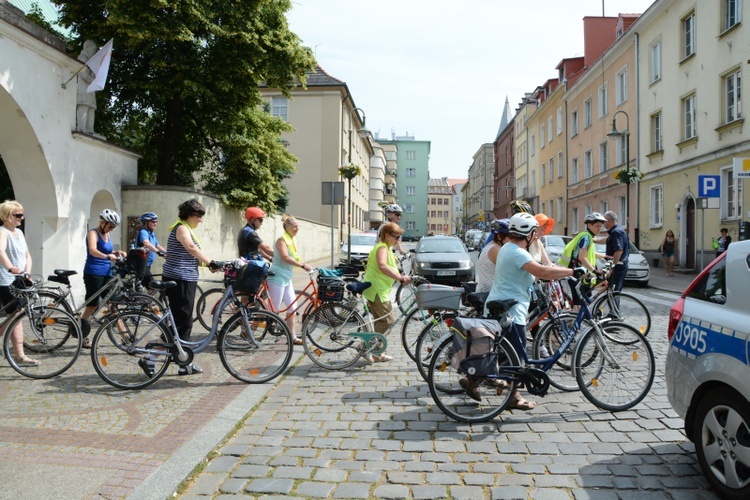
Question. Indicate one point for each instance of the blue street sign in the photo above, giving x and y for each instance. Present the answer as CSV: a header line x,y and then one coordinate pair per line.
x,y
709,186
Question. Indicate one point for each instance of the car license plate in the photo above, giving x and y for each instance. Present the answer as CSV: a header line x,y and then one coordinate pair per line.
x,y
446,273
631,274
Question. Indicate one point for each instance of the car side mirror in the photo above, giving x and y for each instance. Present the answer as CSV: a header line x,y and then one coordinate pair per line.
x,y
412,250
718,299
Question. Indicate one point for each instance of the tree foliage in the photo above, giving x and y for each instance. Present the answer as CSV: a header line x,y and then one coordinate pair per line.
x,y
183,89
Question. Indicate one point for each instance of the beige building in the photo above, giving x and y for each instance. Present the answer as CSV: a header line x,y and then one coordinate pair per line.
x,y
329,133
521,169
690,123
439,206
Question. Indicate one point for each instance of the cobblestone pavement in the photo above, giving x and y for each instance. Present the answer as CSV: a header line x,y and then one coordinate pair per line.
x,y
374,432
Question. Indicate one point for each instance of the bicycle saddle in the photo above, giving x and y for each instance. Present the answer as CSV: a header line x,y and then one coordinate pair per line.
x,y
358,286
161,285
62,273
476,300
500,307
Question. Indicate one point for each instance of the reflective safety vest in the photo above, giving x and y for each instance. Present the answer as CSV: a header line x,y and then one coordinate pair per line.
x,y
567,257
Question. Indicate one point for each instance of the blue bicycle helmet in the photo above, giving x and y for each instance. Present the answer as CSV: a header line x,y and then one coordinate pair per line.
x,y
148,216
497,226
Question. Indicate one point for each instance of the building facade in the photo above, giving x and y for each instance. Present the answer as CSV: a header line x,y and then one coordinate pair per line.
x,y
439,206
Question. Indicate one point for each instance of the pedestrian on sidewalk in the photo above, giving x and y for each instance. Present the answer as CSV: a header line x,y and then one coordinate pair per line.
x,y
285,258
667,248
723,241
382,273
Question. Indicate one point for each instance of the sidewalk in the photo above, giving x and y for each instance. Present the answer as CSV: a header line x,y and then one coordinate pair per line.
x,y
677,283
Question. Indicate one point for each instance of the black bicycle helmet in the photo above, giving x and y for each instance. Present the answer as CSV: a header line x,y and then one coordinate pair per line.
x,y
520,206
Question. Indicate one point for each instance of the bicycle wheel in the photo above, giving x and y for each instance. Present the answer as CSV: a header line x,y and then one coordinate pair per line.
x,y
412,327
250,363
427,343
47,339
445,383
326,339
547,341
614,375
129,351
623,307
405,294
206,306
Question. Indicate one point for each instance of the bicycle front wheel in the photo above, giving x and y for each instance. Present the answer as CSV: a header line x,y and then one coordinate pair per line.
x,y
51,337
251,363
614,375
412,327
546,343
451,389
406,294
129,350
326,336
427,343
624,308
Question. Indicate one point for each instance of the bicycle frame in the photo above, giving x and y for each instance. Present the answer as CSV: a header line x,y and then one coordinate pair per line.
x,y
304,297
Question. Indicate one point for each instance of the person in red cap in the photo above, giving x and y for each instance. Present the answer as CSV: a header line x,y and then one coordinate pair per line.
x,y
249,243
536,248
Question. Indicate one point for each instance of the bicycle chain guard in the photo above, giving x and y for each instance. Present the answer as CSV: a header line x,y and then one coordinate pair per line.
x,y
188,354
375,343
535,380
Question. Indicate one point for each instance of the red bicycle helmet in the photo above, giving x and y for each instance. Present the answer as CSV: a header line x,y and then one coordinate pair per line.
x,y
254,213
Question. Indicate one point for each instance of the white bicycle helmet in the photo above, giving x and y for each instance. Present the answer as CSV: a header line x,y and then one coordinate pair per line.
x,y
393,208
110,216
522,224
594,217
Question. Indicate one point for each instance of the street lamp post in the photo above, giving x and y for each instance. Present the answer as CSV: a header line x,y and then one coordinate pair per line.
x,y
350,173
625,135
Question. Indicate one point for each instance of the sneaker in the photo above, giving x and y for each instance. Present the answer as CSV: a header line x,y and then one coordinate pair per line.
x,y
189,370
470,389
544,352
147,366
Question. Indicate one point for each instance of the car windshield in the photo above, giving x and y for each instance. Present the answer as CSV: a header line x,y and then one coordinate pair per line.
x,y
364,239
555,241
441,246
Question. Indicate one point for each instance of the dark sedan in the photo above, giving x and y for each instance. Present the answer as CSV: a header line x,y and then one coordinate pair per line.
x,y
443,259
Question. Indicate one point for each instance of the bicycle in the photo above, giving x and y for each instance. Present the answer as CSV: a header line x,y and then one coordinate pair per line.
x,y
620,306
52,336
254,345
613,364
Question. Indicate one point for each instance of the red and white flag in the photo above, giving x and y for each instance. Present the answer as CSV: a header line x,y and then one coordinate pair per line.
x,y
99,64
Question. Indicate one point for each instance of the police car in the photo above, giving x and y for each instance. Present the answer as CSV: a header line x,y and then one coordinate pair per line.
x,y
708,369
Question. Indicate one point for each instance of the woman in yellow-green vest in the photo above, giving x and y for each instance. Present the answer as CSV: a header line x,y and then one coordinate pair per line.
x,y
382,272
285,258
581,250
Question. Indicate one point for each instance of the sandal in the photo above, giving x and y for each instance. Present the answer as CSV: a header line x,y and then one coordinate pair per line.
x,y
26,361
518,403
296,340
470,388
86,343
383,358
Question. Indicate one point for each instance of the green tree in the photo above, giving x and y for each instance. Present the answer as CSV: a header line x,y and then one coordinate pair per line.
x,y
183,89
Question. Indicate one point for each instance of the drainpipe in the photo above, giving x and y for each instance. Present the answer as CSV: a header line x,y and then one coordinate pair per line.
x,y
636,231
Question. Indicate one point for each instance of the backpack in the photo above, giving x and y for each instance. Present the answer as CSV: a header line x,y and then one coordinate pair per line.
x,y
473,346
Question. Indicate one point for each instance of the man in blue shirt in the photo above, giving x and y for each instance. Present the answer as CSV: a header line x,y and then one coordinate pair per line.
x,y
618,249
147,239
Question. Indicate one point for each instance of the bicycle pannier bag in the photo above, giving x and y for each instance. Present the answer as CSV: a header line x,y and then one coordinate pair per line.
x,y
473,342
250,277
330,288
136,261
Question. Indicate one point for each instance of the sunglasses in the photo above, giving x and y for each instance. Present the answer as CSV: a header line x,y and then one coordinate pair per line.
x,y
18,216
397,214
259,218
398,237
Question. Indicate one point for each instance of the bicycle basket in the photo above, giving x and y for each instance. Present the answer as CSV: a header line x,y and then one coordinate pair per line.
x,y
251,276
443,297
136,261
330,288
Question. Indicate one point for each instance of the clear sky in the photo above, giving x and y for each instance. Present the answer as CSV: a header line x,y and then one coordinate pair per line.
x,y
441,69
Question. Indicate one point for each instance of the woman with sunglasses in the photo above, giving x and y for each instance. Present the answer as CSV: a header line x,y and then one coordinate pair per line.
x,y
100,255
15,259
382,272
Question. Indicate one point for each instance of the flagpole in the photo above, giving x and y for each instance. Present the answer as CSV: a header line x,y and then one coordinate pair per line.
x,y
64,85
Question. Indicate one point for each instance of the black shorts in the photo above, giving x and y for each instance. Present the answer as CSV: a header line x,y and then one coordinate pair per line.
x,y
7,299
94,283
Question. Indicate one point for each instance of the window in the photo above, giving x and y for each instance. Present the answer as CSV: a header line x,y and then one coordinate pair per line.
x,y
574,123
544,174
688,35
732,95
730,195
409,208
655,61
559,209
688,117
411,172
559,120
432,214
587,119
411,155
602,100
656,137
410,224
588,168
280,107
730,11
574,222
574,170
603,207
656,199
432,201
544,207
622,208
551,169
622,150
551,209
560,165
542,132
532,146
550,126
621,86
410,190
603,157
712,287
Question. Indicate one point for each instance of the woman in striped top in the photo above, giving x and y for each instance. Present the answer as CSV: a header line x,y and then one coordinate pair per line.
x,y
184,255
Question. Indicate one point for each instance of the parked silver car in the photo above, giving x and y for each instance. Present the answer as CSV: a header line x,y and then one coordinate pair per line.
x,y
362,245
707,370
639,271
443,259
